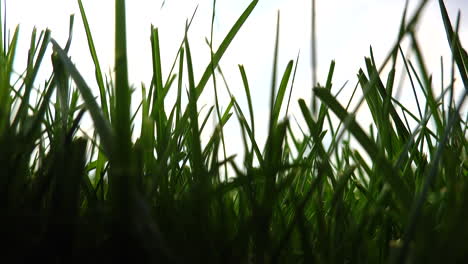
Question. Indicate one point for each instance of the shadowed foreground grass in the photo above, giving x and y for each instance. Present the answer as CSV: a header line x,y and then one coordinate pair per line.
x,y
164,198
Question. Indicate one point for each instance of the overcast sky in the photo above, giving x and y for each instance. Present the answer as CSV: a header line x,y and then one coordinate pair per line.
x,y
345,30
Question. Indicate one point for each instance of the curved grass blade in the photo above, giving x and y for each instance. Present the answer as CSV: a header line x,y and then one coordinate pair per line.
x,y
459,54
223,47
102,125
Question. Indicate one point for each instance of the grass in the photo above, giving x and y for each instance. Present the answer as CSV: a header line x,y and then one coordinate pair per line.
x,y
165,197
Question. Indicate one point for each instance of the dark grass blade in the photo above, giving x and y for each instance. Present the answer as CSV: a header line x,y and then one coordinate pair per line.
x,y
33,69
122,89
193,113
158,112
5,76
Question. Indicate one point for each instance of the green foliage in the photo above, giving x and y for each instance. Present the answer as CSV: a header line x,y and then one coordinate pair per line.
x,y
163,198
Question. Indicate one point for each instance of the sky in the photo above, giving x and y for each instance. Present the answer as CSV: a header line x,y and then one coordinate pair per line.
x,y
345,31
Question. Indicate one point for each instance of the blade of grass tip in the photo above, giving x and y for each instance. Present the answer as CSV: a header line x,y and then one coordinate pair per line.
x,y
273,77
97,66
459,54
31,51
292,83
192,108
158,109
205,120
313,47
61,79
249,97
70,32
392,176
5,40
331,70
157,70
179,54
101,124
281,92
2,29
179,86
223,46
220,52
12,52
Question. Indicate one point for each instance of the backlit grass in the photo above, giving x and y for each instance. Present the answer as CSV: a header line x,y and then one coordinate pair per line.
x,y
166,198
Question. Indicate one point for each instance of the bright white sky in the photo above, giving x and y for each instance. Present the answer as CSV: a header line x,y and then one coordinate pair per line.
x,y
345,31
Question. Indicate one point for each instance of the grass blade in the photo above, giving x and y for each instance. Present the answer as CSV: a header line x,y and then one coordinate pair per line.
x,y
223,46
392,176
102,125
97,66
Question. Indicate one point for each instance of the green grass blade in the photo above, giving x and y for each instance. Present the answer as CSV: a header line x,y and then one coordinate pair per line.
x,y
292,83
102,125
459,54
281,92
158,111
193,113
223,46
5,76
97,66
122,89
249,97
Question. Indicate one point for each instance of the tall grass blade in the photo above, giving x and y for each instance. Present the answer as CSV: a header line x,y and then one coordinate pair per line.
x,y
223,46
391,175
97,66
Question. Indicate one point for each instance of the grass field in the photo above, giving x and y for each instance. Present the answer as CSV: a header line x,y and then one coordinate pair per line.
x,y
398,194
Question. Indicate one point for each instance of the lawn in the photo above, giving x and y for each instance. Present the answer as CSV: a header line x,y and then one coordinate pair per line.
x,y
393,193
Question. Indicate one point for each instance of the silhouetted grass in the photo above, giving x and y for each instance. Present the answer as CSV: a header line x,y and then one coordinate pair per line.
x,y
165,197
